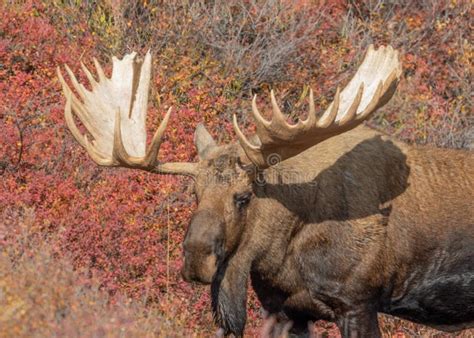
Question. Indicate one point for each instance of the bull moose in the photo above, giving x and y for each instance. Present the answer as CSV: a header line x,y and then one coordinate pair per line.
x,y
328,218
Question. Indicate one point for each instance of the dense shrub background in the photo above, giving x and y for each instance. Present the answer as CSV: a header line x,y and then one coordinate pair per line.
x,y
112,237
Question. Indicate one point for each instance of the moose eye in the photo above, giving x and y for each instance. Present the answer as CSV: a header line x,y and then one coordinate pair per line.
x,y
241,200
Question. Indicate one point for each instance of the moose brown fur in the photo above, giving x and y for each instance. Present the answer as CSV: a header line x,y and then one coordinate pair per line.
x,y
328,219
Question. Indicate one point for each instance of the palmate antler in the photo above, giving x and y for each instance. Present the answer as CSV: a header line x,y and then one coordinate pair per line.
x,y
114,114
372,86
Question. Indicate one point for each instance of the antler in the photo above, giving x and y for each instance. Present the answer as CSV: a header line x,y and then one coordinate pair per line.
x,y
372,86
114,114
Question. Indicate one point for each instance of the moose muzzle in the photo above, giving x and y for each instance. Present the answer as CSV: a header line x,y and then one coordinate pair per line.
x,y
202,247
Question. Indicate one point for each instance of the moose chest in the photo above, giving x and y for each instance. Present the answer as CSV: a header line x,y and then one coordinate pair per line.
x,y
328,269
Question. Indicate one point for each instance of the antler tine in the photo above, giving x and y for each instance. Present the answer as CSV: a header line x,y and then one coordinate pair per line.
x,y
260,121
89,75
328,118
100,71
152,154
79,87
278,119
70,120
311,118
242,138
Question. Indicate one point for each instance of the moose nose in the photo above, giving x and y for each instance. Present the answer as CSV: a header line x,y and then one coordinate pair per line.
x,y
186,275
186,272
189,273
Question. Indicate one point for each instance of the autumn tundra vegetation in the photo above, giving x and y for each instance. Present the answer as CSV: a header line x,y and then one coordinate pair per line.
x,y
92,251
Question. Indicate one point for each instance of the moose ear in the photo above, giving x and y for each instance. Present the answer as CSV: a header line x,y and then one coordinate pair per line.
x,y
203,141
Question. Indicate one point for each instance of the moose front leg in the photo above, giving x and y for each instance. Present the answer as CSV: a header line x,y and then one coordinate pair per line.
x,y
229,295
359,324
